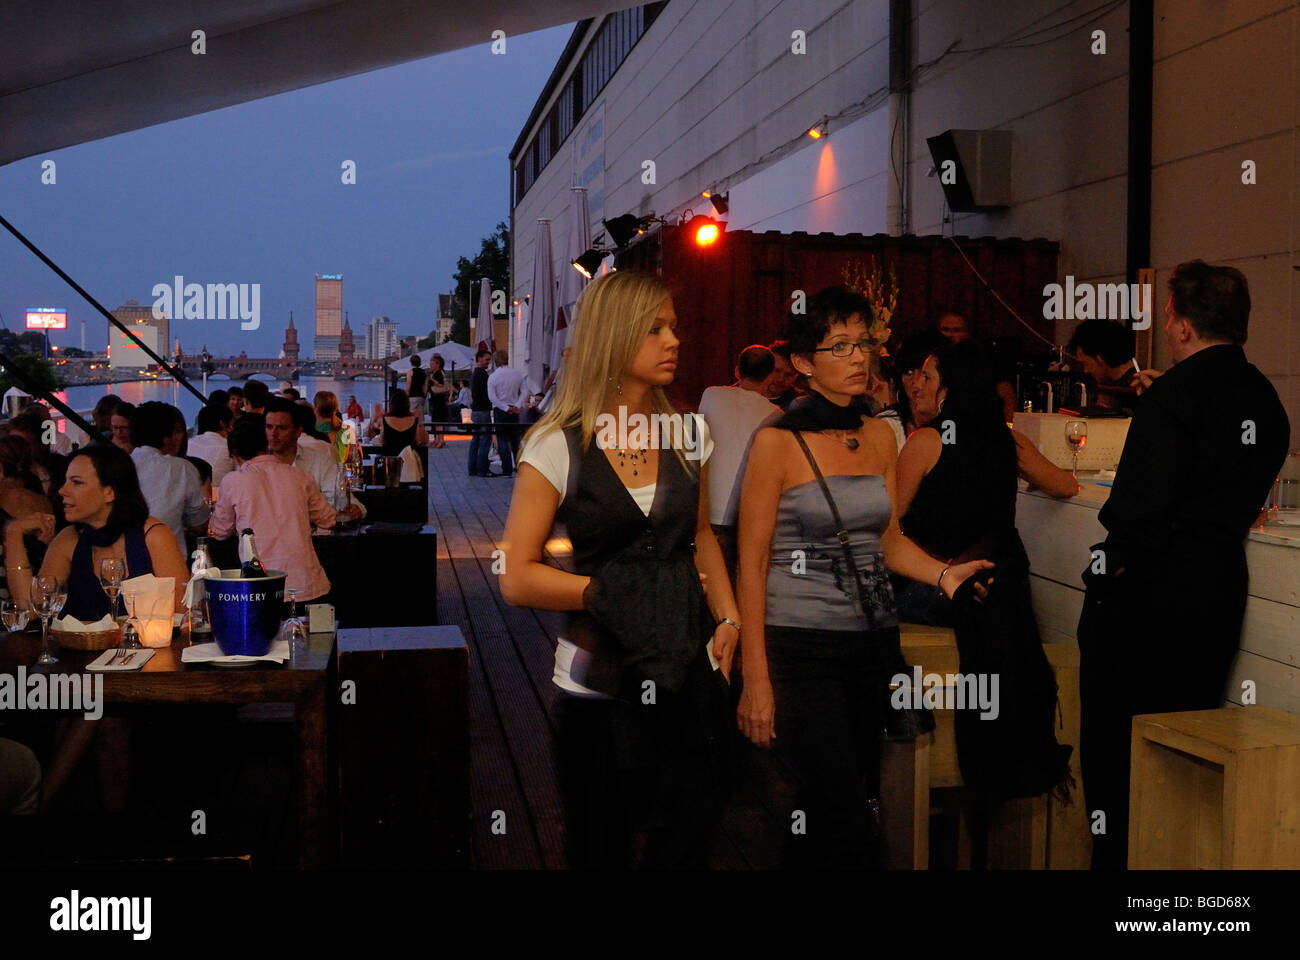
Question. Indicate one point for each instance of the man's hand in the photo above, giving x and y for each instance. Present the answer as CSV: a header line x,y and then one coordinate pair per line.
x,y
1143,379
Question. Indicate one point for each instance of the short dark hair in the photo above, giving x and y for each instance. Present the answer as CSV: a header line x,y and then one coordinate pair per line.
x,y
289,393
115,468
781,348
29,421
212,417
912,352
124,409
415,359
399,404
756,362
248,439
256,393
1215,300
103,412
1111,341
234,391
203,467
220,396
152,424
279,405
481,354
825,309
304,417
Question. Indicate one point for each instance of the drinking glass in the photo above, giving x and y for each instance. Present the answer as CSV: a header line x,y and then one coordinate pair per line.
x,y
111,573
294,631
43,593
131,618
13,616
1076,435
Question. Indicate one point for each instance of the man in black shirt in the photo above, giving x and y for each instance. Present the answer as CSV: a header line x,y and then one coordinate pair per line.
x,y
1167,588
480,444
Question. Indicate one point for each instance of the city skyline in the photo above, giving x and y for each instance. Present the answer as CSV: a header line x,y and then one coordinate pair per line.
x,y
255,196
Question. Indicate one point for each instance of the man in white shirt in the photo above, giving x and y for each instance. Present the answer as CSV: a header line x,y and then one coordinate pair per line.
x,y
212,426
283,441
733,414
508,394
170,484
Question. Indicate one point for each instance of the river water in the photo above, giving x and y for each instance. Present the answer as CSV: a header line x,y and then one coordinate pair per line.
x,y
367,392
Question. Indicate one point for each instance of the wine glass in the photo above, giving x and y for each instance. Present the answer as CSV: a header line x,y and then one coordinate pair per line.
x,y
13,616
43,593
294,631
128,643
1076,435
111,573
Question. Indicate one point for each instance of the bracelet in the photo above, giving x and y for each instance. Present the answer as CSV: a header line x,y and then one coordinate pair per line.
x,y
939,582
732,622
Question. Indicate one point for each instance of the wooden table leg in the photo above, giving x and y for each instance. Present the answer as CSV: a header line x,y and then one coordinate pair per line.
x,y
310,765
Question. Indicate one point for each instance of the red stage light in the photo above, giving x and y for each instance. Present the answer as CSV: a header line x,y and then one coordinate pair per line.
x,y
706,234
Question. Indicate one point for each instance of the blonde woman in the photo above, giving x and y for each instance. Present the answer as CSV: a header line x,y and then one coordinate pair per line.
x,y
329,425
643,661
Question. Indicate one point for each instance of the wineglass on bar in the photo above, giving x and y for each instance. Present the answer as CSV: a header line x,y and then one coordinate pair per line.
x,y
1076,435
111,573
43,593
13,616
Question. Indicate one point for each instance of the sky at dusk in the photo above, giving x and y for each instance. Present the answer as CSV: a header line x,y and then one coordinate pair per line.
x,y
253,194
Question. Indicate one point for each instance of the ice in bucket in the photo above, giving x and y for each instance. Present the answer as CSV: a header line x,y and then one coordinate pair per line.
x,y
246,611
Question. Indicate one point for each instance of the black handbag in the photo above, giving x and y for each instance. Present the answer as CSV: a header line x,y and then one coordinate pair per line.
x,y
905,723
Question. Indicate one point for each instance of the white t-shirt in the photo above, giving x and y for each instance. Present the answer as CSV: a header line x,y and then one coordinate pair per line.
x,y
549,455
733,414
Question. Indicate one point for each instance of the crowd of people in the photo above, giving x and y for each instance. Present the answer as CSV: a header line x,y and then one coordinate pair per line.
x,y
759,582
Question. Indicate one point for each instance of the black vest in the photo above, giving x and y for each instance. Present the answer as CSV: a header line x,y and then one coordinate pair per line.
x,y
652,620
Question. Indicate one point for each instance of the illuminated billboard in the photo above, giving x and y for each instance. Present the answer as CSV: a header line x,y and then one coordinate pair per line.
x,y
47,318
124,353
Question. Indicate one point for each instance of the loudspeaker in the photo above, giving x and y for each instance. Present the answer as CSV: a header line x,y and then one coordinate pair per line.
x,y
974,168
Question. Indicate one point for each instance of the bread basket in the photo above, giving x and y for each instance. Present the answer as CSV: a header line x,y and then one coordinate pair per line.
x,y
92,640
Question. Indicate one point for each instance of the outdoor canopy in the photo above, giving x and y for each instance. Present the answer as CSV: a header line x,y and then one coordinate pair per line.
x,y
456,356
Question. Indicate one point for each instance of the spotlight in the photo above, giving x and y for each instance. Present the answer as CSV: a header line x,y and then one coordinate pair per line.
x,y
719,201
589,262
705,230
818,129
622,229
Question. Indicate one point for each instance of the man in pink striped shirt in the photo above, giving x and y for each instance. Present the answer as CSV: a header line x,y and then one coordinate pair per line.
x,y
281,504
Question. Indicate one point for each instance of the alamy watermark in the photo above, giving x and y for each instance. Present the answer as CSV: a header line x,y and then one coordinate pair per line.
x,y
1098,301
951,691
61,691
655,431
75,913
214,301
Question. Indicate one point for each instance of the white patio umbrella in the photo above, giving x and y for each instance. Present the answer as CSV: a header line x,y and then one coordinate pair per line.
x,y
542,307
571,281
454,355
483,322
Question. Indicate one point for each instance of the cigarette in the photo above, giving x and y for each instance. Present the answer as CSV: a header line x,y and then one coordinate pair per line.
x,y
1136,367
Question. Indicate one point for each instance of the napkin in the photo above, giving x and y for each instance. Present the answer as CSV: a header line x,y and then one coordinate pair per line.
x,y
151,601
73,625
412,471
197,575
209,652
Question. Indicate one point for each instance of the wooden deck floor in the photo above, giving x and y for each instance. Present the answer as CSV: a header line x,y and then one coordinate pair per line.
x,y
512,763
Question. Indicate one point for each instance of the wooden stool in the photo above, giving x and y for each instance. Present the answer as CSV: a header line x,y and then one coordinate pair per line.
x,y
1215,790
1028,833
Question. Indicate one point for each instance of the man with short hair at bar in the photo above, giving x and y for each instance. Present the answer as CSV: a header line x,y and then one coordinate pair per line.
x,y
1166,590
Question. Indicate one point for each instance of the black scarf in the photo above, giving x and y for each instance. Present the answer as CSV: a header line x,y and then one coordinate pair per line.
x,y
814,412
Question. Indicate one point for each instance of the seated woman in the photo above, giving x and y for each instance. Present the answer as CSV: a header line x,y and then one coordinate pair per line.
x,y
401,428
820,639
957,497
109,519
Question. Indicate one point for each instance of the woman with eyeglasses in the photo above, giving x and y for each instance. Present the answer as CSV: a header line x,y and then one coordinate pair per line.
x,y
817,533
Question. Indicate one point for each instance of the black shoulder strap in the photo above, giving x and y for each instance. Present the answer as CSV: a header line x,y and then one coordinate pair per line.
x,y
842,534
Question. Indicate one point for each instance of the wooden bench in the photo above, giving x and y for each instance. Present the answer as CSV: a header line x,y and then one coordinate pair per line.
x,y
1034,832
1215,790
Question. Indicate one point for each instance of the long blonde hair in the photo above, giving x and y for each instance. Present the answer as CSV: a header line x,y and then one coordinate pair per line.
x,y
613,316
326,405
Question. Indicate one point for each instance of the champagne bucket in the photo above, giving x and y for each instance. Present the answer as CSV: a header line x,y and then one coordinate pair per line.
x,y
245,611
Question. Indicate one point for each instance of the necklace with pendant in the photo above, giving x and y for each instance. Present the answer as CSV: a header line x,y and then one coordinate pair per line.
x,y
635,457
850,442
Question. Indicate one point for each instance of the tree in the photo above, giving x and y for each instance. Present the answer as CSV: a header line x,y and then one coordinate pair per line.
x,y
35,373
73,353
492,263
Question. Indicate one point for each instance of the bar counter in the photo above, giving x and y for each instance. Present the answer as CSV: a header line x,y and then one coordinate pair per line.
x,y
1058,534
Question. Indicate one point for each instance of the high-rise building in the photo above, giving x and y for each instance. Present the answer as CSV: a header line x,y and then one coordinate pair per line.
x,y
133,315
381,339
329,315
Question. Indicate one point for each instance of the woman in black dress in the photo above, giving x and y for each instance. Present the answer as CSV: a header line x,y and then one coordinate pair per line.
x,y
642,717
438,393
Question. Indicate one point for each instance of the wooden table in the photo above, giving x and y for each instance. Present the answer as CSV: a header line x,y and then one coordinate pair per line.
x,y
303,681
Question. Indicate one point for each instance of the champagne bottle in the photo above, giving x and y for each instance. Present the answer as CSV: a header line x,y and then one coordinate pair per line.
x,y
250,565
